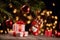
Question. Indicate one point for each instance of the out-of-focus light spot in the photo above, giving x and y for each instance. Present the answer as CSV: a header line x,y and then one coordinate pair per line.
x,y
15,10
28,22
47,28
29,17
10,5
45,20
4,16
1,31
55,22
0,24
56,17
42,13
54,27
17,18
50,12
52,16
41,33
42,29
53,4
25,15
48,25
38,17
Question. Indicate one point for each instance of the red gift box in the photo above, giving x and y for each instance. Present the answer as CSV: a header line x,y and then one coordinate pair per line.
x,y
48,33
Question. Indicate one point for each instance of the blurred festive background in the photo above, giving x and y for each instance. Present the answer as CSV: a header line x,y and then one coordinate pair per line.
x,y
29,10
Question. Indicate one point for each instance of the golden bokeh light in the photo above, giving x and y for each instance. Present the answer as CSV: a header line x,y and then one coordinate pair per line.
x,y
29,17
42,13
54,27
42,34
25,15
17,18
52,16
53,4
55,22
28,22
45,21
10,5
50,12
15,10
56,17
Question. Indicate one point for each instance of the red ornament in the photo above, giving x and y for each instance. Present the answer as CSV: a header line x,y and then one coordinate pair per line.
x,y
25,8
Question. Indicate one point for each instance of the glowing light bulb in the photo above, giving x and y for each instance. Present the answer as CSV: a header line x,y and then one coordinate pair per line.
x,y
56,17
50,12
42,13
29,17
52,16
28,22
17,18
10,5
25,15
41,33
55,22
53,4
15,10
45,20
54,27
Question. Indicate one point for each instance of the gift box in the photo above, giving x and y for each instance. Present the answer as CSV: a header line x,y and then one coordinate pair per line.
x,y
48,33
18,27
26,33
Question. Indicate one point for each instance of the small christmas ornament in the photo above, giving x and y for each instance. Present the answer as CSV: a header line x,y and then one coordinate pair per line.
x,y
25,8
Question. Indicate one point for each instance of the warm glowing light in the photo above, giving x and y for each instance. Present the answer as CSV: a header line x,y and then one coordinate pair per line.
x,y
17,18
42,13
25,15
48,25
29,17
38,17
50,12
53,4
41,33
0,24
10,5
42,29
47,28
28,22
45,20
56,17
1,31
15,10
55,22
7,29
54,27
4,16
52,16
